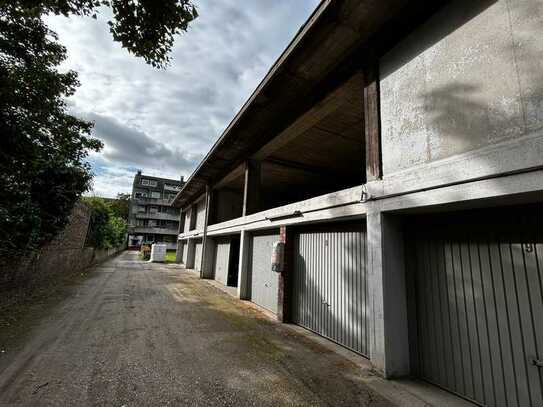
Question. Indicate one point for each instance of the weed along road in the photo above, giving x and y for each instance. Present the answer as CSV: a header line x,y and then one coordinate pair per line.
x,y
140,334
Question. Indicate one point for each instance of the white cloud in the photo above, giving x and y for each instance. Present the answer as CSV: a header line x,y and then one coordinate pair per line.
x,y
163,121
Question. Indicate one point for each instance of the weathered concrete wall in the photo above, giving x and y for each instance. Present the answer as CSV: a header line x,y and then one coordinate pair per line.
x,y
187,220
471,77
200,214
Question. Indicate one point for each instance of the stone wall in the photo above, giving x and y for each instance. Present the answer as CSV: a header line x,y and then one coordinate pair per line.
x,y
65,254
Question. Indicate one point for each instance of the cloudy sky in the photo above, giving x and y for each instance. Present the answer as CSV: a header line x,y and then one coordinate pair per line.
x,y
164,121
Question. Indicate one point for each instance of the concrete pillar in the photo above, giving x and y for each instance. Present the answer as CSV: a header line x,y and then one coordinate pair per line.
x,y
251,192
208,252
389,339
283,288
179,252
244,262
191,253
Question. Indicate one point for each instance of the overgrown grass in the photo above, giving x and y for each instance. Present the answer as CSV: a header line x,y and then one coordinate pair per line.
x,y
170,256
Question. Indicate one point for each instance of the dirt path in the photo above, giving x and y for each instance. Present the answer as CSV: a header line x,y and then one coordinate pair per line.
x,y
138,334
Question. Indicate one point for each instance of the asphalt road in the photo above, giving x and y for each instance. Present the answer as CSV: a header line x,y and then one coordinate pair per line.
x,y
139,334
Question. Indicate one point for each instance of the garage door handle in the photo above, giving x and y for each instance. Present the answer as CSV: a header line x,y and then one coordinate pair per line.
x,y
538,363
324,302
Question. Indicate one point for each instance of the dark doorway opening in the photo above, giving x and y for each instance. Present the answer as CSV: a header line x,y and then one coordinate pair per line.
x,y
233,264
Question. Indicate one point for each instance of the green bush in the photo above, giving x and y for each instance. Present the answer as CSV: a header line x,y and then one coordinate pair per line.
x,y
106,229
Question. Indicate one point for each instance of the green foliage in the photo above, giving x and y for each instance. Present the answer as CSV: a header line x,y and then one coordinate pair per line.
x,y
107,230
146,28
120,205
43,150
170,256
43,147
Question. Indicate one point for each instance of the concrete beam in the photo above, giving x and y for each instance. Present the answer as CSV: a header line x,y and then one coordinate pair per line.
x,y
372,118
346,203
335,100
237,172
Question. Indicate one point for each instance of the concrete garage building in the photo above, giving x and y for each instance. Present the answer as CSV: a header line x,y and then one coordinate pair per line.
x,y
396,148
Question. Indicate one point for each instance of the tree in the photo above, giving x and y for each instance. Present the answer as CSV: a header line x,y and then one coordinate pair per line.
x,y
43,150
120,205
146,28
107,230
43,147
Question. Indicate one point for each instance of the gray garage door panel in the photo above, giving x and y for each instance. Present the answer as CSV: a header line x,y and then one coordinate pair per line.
x,y
198,256
185,251
330,284
264,281
479,309
222,254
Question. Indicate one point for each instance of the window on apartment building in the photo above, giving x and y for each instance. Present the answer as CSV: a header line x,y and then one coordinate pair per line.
x,y
144,182
152,223
141,208
152,183
153,209
172,187
155,194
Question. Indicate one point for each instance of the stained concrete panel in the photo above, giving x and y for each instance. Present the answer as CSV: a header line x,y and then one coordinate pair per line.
x,y
461,82
526,18
200,214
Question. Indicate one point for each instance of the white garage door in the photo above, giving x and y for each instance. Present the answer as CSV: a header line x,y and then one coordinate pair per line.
x,y
198,255
264,281
222,254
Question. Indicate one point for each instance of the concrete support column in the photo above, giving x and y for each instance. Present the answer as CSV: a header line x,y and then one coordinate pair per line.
x,y
244,262
179,252
191,253
206,268
251,192
389,339
283,288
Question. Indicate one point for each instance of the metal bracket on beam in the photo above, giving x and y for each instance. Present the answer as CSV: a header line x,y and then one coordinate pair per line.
x,y
295,214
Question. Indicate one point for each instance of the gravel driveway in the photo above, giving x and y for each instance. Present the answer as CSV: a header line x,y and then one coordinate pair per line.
x,y
139,334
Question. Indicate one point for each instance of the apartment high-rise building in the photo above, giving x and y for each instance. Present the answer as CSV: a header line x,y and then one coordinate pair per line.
x,y
152,219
